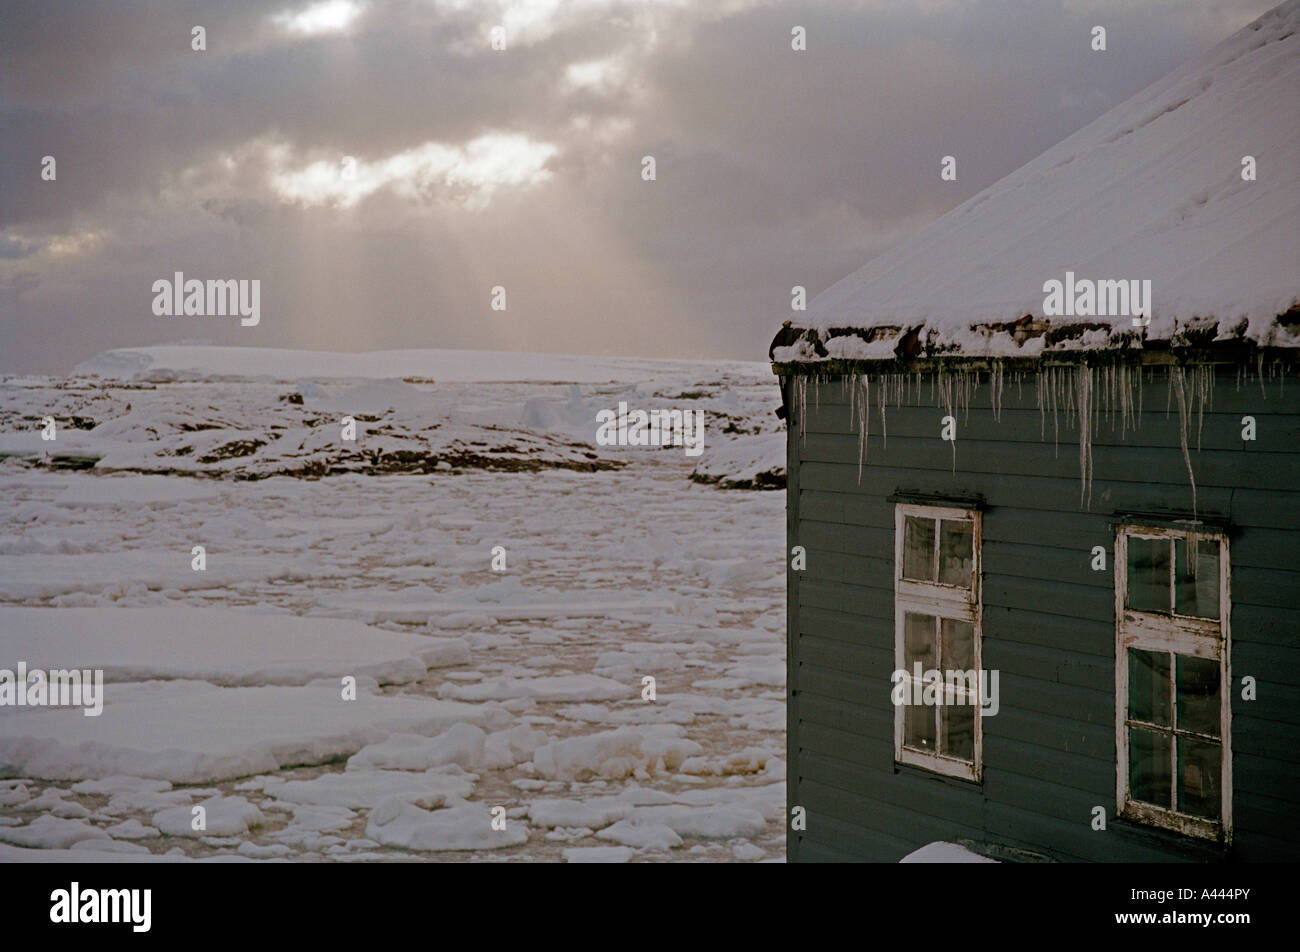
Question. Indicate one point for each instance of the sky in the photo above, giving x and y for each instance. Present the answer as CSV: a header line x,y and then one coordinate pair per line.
x,y
381,167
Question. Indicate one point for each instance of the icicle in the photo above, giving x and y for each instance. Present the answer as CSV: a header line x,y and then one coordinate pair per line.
x,y
1178,376
1121,387
995,390
1042,407
865,432
1108,386
1096,406
1204,378
801,406
850,381
883,384
945,384
860,414
1083,386
1054,393
1128,409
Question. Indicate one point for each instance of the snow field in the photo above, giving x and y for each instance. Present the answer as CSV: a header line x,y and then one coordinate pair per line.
x,y
474,689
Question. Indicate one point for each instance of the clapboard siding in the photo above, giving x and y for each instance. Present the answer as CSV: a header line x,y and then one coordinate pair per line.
x,y
1036,761
1219,430
828,407
1128,463
1047,617
1095,642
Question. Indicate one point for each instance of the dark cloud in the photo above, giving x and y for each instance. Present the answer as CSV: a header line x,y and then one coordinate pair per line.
x,y
774,168
14,248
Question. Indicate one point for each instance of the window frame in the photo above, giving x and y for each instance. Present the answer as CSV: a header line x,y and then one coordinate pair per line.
x,y
944,601
1186,635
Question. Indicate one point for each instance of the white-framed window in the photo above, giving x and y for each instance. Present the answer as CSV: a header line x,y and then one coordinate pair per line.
x,y
1173,711
937,629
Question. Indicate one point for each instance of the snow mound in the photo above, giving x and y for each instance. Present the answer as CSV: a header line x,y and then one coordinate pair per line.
x,y
642,834
465,826
50,832
194,733
132,829
103,575
221,646
222,816
367,789
283,438
615,754
592,814
746,462
514,746
941,852
112,786
462,745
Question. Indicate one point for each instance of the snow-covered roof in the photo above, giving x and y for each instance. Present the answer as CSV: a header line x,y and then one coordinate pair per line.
x,y
1152,190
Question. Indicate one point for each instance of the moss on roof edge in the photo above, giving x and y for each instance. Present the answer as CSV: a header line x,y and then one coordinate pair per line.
x,y
1235,353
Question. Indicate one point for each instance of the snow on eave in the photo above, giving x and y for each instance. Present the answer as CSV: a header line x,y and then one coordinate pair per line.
x,y
1152,190
1033,339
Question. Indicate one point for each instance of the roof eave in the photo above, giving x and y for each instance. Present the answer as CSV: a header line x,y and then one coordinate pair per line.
x,y
1238,352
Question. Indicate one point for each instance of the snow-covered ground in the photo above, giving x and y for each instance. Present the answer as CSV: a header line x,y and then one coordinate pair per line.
x,y
372,560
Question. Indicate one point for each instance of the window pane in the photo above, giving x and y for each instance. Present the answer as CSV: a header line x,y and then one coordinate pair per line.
x,y
1196,580
958,644
1148,686
1148,766
956,552
918,549
918,641
1198,695
1198,777
957,731
918,727
1148,574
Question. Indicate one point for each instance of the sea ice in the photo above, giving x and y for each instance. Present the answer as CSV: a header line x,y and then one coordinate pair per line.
x,y
367,788
615,754
465,826
223,816
461,744
219,733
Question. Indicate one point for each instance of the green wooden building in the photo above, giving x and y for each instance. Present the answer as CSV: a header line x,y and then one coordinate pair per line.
x,y
1044,516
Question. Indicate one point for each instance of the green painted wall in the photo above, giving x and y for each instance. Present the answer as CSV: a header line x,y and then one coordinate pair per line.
x,y
1048,619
